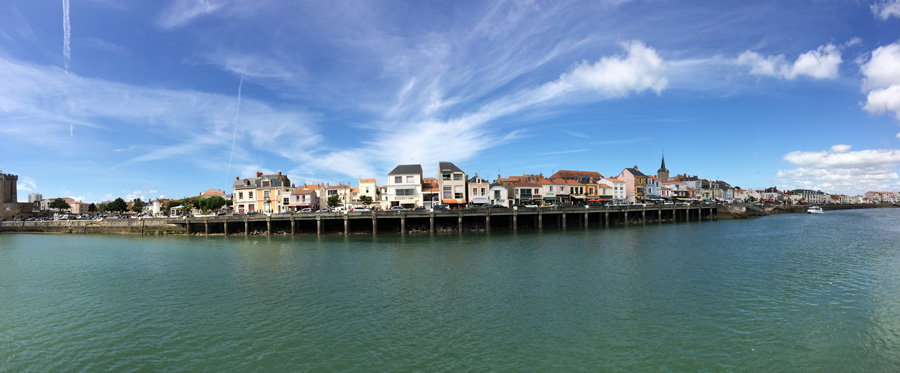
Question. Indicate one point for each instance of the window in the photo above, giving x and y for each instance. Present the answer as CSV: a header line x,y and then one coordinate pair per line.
x,y
448,192
251,195
398,179
409,179
266,194
445,176
240,195
551,189
405,192
482,191
496,194
265,183
287,201
457,176
525,193
332,192
475,191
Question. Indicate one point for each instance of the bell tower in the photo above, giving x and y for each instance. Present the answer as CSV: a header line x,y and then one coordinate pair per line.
x,y
663,174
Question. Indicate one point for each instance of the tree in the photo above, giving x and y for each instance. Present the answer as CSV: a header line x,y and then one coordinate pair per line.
x,y
59,204
366,200
137,205
334,200
212,203
118,205
92,208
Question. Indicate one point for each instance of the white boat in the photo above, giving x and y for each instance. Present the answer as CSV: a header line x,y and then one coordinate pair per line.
x,y
815,210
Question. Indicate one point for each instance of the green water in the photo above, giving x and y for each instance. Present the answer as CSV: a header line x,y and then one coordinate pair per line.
x,y
793,292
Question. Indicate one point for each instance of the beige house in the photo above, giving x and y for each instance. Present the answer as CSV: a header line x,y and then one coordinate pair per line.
x,y
452,182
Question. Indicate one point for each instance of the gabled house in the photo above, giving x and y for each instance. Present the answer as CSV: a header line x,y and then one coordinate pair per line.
x,y
618,189
479,190
499,195
405,186
304,198
244,200
453,184
635,184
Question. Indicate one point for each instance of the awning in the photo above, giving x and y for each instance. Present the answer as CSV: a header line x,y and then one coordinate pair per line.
x,y
549,198
579,197
524,199
599,199
453,201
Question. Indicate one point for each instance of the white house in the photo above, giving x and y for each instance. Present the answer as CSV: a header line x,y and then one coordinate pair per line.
x,y
499,195
404,186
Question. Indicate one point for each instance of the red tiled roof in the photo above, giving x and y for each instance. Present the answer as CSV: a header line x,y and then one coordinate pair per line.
x,y
570,174
366,180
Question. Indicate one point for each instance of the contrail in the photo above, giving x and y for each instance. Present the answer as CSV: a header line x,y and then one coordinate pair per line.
x,y
234,122
67,33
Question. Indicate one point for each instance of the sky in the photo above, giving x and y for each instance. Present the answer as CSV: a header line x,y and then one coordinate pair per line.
x,y
102,99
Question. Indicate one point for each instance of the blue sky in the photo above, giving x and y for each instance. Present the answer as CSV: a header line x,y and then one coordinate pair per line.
x,y
102,99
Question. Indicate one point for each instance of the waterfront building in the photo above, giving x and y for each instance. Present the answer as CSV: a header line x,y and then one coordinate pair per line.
x,y
302,198
653,186
245,201
479,188
635,184
368,187
618,189
452,181
405,186
548,191
882,197
343,191
771,194
813,197
677,189
525,193
35,197
499,195
562,191
431,192
274,192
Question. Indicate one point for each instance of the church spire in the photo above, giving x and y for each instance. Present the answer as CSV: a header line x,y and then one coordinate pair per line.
x,y
663,173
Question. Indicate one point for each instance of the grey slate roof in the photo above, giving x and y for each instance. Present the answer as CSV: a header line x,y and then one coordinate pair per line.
x,y
407,169
448,166
253,182
635,172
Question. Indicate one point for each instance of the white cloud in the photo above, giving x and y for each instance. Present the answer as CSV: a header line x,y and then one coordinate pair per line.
x,y
183,11
428,139
886,9
840,170
882,80
821,63
881,70
26,184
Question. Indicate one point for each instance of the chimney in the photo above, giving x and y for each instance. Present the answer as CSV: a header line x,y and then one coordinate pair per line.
x,y
258,173
635,167
279,173
236,178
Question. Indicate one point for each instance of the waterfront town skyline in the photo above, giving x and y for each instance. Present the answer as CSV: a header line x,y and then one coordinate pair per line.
x,y
177,97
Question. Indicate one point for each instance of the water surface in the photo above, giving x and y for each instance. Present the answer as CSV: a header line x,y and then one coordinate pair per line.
x,y
792,292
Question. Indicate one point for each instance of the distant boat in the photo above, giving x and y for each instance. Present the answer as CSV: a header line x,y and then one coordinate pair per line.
x,y
815,210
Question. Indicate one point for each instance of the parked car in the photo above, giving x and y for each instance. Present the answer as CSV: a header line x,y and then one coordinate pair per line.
x,y
397,208
420,208
306,209
530,206
361,209
499,207
441,207
324,209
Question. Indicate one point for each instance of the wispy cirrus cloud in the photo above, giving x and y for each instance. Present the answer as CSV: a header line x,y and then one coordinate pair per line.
x,y
183,11
185,122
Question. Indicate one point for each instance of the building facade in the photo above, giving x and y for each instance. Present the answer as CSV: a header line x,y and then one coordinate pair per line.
x,y
404,186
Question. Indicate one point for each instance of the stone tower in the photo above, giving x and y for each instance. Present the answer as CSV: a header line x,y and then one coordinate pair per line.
x,y
8,205
663,174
